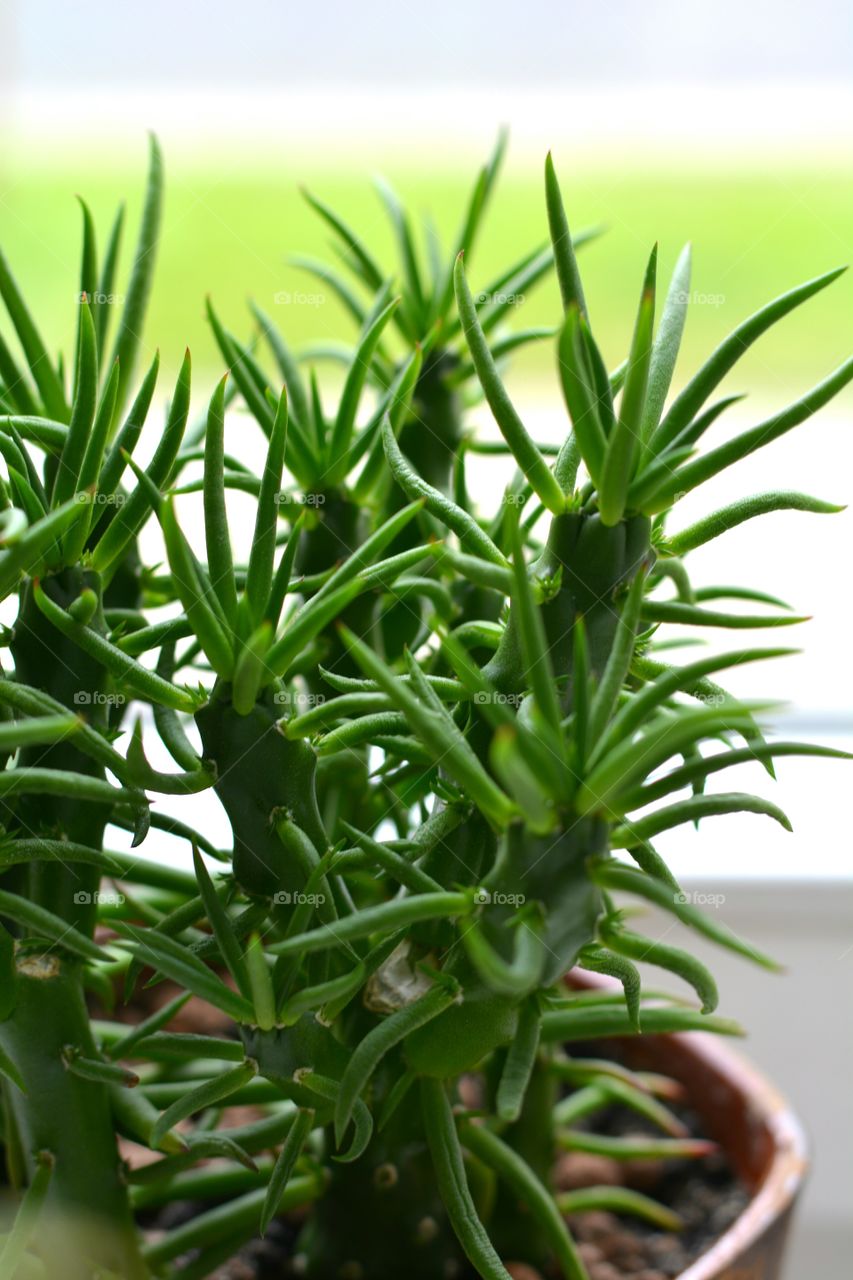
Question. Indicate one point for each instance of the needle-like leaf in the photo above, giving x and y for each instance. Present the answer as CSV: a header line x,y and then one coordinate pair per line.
x,y
571,289
625,438
260,572
129,334
694,395
524,449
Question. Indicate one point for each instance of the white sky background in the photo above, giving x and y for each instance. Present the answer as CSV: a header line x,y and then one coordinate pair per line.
x,y
444,43
723,74
704,83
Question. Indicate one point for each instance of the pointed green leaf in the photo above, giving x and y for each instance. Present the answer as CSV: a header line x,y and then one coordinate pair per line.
x,y
380,1040
129,334
571,289
41,367
703,767
520,1062
640,707
624,442
470,534
692,810
230,948
104,300
439,733
744,509
673,959
667,343
677,483
443,1142
388,917
132,514
261,558
287,366
216,532
345,421
178,962
28,551
205,1095
297,1136
126,439
612,876
196,595
631,760
27,1218
360,259
526,1188
524,449
580,396
82,411
45,924
692,615
124,669
700,386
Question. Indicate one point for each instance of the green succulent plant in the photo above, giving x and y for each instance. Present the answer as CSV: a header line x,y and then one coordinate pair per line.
x,y
444,742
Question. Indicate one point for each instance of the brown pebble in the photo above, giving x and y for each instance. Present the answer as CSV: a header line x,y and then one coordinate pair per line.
x,y
664,1248
632,1262
590,1252
521,1271
595,1225
604,1271
642,1175
620,1247
577,1169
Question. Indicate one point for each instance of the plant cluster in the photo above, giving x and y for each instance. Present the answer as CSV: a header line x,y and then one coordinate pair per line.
x,y
445,741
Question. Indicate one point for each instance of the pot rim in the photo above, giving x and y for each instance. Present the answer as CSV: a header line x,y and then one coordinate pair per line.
x,y
784,1177
774,1196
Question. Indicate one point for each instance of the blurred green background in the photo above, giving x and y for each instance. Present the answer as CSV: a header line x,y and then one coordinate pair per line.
x,y
755,231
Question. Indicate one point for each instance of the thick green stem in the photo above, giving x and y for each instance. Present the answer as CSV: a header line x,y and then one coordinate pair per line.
x,y
533,1137
261,776
89,1225
382,1215
49,661
433,432
582,569
430,439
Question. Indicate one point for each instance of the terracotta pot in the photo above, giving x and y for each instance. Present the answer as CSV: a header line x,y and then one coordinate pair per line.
x,y
758,1131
